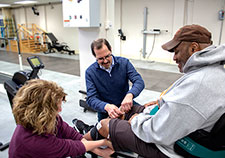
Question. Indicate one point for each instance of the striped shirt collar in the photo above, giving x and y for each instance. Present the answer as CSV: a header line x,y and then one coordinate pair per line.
x,y
110,68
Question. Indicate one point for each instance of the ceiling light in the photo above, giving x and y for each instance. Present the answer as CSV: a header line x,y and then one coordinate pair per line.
x,y
25,2
4,5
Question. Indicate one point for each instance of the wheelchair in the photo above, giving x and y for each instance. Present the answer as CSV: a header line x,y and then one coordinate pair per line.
x,y
197,144
204,144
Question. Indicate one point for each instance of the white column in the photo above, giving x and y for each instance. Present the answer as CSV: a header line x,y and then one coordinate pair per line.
x,y
109,21
178,16
86,36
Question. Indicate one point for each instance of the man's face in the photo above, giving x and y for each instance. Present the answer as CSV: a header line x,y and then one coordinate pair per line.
x,y
103,56
182,54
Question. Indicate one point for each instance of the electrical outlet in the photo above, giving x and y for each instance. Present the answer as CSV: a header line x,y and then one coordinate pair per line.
x,y
108,24
152,32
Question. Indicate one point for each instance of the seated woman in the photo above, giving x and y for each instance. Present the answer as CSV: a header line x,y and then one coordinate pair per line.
x,y
40,130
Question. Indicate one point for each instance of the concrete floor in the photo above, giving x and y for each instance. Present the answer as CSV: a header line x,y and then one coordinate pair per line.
x,y
71,85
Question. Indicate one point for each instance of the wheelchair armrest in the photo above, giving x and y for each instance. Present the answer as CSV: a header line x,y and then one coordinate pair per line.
x,y
191,148
82,92
85,105
4,146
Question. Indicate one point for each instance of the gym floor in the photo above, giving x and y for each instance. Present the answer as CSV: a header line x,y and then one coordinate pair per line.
x,y
64,69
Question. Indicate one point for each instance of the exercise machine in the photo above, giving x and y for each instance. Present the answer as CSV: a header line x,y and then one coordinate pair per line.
x,y
18,80
55,46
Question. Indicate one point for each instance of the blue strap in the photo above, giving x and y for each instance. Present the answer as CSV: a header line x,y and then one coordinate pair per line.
x,y
154,110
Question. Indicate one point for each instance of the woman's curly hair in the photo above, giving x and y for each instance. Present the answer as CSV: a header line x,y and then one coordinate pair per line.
x,y
35,105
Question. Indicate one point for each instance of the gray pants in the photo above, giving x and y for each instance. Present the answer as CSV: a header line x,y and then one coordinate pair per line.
x,y
123,138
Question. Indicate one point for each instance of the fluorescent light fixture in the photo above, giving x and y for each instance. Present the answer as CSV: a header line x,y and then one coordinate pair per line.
x,y
4,5
25,2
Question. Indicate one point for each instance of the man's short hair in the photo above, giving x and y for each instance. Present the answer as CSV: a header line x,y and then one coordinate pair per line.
x,y
98,45
188,33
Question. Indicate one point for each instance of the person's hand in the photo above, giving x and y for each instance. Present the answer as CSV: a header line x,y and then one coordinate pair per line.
x,y
127,102
132,117
151,103
108,143
105,153
113,111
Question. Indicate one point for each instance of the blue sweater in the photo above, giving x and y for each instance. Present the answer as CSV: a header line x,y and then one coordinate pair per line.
x,y
104,88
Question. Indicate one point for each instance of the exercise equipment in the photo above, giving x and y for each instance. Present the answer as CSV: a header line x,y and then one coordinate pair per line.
x,y
19,78
55,46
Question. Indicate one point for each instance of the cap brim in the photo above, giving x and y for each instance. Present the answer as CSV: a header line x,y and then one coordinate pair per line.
x,y
169,46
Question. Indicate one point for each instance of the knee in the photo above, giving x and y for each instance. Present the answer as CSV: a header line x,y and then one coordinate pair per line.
x,y
104,129
100,130
105,123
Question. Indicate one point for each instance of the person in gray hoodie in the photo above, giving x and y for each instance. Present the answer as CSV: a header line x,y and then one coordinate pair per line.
x,y
195,101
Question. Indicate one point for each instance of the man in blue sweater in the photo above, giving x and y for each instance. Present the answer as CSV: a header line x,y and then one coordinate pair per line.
x,y
107,82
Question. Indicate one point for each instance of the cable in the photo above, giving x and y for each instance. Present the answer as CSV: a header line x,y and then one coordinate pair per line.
x,y
153,45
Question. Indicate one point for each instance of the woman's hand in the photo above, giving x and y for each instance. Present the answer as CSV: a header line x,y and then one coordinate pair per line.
x,y
105,153
106,150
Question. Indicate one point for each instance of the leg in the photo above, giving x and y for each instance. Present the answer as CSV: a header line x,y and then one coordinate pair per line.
x,y
104,131
123,139
101,128
135,109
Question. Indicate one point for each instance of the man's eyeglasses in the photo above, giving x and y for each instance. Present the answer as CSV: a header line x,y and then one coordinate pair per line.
x,y
103,58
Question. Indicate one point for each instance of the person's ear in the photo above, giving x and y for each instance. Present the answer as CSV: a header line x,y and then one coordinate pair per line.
x,y
194,47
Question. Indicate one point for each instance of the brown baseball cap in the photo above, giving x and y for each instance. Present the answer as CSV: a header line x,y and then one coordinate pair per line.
x,y
188,33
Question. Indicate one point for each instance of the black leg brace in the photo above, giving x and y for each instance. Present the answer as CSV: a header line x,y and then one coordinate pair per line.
x,y
95,135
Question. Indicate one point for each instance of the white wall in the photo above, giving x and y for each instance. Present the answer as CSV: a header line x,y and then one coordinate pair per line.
x,y
20,16
165,15
160,16
205,12
128,15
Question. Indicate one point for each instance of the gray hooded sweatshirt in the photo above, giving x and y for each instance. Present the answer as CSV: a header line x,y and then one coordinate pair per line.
x,y
195,101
